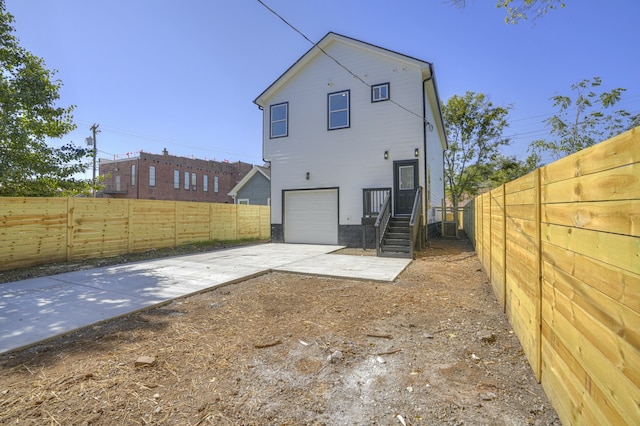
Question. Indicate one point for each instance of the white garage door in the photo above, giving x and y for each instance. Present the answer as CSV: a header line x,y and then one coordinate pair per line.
x,y
311,217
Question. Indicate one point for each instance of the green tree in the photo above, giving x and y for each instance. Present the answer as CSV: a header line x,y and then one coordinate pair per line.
x,y
588,119
503,169
474,129
29,115
518,10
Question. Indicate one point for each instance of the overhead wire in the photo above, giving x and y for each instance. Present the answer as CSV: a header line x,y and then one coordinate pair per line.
x,y
340,64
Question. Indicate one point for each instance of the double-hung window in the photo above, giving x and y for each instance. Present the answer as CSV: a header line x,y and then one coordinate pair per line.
x,y
205,183
176,179
338,110
187,176
279,120
380,92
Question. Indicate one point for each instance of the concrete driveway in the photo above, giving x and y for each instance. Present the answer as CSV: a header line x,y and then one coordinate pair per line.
x,y
40,308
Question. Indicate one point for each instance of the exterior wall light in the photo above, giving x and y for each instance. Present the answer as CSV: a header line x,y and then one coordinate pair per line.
x,y
307,175
416,152
386,155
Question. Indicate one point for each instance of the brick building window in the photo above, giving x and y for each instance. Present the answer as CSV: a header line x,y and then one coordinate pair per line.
x,y
186,180
133,175
152,175
194,179
215,184
205,183
176,179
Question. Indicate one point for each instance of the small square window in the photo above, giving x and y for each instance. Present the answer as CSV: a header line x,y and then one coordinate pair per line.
x,y
380,92
339,115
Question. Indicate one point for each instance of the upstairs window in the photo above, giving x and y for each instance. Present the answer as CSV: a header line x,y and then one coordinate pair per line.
x,y
187,176
205,183
176,179
133,175
339,110
279,120
215,184
380,92
194,180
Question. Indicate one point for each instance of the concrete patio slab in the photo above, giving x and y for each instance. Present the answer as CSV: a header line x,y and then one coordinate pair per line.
x,y
41,308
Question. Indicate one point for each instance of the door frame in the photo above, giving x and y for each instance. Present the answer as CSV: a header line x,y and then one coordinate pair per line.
x,y
396,183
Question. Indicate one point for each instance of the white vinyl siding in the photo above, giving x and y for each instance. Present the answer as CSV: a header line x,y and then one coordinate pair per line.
x,y
353,159
311,217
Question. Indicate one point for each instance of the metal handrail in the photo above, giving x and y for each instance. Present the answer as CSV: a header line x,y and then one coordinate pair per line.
x,y
382,221
416,215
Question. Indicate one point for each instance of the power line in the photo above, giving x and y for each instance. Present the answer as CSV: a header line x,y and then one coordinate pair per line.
x,y
341,65
172,141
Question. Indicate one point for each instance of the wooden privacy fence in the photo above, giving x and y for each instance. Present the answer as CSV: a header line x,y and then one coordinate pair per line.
x,y
44,230
561,247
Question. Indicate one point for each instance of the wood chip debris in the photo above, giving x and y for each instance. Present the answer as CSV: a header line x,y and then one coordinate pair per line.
x,y
267,345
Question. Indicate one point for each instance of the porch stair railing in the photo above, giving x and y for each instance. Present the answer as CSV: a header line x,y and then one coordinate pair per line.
x,y
382,222
399,236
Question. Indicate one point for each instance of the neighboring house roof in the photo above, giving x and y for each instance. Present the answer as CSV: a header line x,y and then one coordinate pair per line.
x,y
265,171
428,74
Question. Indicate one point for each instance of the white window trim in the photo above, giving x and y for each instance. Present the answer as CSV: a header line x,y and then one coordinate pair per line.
x,y
242,201
285,120
375,98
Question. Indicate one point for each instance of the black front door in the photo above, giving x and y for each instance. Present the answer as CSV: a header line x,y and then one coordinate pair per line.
x,y
405,185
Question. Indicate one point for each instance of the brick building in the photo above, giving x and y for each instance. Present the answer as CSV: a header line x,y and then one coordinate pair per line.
x,y
169,177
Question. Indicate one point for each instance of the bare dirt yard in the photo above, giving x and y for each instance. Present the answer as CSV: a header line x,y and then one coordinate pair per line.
x,y
433,348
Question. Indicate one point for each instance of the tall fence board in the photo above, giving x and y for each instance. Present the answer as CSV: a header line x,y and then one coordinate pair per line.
x,y
43,230
572,266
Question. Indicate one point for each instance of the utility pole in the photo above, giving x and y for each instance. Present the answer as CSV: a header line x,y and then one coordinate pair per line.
x,y
95,130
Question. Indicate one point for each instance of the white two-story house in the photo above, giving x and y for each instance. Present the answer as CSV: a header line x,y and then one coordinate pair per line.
x,y
347,127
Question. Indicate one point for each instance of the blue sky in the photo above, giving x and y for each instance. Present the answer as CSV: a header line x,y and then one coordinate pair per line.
x,y
183,75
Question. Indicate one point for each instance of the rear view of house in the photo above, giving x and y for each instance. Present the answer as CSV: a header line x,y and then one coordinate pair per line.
x,y
346,128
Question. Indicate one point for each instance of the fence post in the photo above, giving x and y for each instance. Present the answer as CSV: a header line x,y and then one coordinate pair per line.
x,y
130,227
175,224
538,266
504,247
70,208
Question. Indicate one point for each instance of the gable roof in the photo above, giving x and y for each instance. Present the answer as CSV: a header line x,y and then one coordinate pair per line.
x,y
428,74
322,45
265,171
